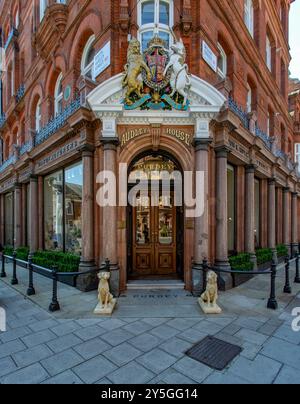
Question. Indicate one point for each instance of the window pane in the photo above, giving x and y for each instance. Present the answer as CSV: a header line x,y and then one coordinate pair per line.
x,y
164,13
73,205
148,12
53,196
9,219
143,221
146,38
165,219
231,208
166,37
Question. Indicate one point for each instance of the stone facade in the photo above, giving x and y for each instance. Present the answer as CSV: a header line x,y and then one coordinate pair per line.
x,y
90,123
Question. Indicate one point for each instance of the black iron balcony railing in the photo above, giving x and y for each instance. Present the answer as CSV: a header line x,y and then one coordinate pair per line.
x,y
56,123
2,120
20,93
13,33
264,137
234,107
11,160
26,147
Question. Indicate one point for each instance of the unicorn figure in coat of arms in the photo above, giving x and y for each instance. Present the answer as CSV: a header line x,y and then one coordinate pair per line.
x,y
180,79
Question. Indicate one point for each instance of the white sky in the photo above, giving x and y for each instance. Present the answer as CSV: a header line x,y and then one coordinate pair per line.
x,y
295,38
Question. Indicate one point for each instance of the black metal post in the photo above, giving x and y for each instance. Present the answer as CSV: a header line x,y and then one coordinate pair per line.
x,y
54,305
204,272
272,303
14,280
297,276
3,273
30,290
107,265
287,287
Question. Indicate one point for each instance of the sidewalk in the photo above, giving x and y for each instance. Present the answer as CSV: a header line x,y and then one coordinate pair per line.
x,y
147,337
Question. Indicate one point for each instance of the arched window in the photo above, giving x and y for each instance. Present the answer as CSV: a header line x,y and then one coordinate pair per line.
x,y
222,62
58,95
155,17
87,60
38,116
249,16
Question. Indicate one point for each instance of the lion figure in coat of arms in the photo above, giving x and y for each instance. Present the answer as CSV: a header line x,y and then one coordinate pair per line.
x,y
133,69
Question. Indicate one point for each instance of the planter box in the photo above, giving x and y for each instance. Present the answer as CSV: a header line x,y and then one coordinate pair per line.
x,y
239,279
70,280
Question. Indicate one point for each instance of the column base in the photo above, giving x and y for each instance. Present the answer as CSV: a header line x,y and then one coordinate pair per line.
x,y
253,259
295,249
224,279
288,246
275,255
90,281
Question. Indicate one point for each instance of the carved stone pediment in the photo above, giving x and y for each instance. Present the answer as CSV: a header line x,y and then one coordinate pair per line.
x,y
51,29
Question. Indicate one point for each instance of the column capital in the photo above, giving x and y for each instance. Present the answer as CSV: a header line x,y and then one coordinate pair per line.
x,y
295,194
33,177
286,190
250,169
202,144
87,150
17,185
110,143
222,151
271,181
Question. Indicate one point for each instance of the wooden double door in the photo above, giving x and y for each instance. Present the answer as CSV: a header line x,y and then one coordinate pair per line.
x,y
154,237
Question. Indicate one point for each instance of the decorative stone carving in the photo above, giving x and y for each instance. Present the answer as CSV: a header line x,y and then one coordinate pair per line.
x,y
208,300
107,302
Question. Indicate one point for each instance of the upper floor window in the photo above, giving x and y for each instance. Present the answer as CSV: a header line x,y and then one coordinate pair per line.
x,y
269,53
38,116
249,98
43,6
222,62
58,95
297,154
87,61
249,16
155,17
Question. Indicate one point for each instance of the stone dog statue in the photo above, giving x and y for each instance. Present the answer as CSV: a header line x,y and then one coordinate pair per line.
x,y
106,300
208,300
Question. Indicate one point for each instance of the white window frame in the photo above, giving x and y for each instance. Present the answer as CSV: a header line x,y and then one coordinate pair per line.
x,y
269,53
38,116
249,16
156,25
297,154
85,69
222,72
58,97
249,98
268,123
43,6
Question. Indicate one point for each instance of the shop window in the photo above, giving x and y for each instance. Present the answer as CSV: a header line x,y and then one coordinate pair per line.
x,y
222,62
87,61
58,96
63,201
257,213
249,16
9,219
155,16
231,207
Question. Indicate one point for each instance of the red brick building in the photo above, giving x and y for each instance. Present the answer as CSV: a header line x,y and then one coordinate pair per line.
x,y
63,121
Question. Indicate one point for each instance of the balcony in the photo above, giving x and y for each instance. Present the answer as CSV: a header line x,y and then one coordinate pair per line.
x,y
25,148
14,33
20,93
11,160
2,120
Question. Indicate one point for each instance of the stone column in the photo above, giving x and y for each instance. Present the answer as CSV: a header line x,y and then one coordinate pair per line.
x,y
2,218
201,248
272,215
286,219
87,282
24,215
33,202
222,216
295,247
18,215
250,213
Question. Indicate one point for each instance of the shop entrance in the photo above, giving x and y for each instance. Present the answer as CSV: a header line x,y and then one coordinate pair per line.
x,y
155,234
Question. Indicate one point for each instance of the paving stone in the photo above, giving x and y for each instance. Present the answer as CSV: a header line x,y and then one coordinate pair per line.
x,y
157,360
221,321
65,328
171,376
260,371
164,332
94,369
182,324
67,377
42,325
104,381
288,375
250,351
252,336
117,337
282,351
286,333
20,322
176,346
192,335
231,329
32,355
38,338
155,322
112,324
250,323
7,366
133,373
16,333
65,342
122,354
224,378
90,332
193,369
92,348
62,361
208,328
87,322
33,374
138,327
145,342
11,347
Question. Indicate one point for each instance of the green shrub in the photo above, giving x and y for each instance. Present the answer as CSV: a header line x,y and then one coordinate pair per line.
x,y
282,251
66,262
22,252
241,262
264,255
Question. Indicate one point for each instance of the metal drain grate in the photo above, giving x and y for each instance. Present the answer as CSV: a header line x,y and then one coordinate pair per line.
x,y
214,353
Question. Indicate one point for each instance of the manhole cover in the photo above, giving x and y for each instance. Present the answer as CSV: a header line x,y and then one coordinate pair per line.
x,y
214,353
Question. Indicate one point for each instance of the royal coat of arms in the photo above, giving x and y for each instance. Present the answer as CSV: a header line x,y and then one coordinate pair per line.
x,y
157,79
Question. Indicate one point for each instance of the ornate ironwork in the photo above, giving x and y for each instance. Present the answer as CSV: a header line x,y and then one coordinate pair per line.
x,y
11,160
235,108
2,120
264,137
56,123
26,147
13,33
20,93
